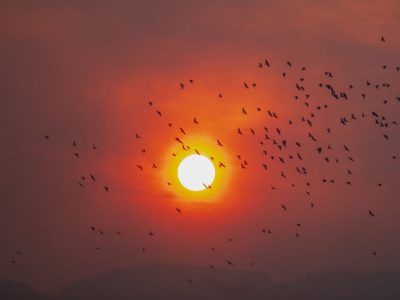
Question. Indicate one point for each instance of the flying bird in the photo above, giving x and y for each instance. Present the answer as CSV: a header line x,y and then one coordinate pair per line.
x,y
229,262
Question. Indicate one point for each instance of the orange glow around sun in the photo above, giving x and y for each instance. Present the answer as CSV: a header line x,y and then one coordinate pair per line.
x,y
197,145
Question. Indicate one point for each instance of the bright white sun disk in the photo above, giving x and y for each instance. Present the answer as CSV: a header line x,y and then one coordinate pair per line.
x,y
196,172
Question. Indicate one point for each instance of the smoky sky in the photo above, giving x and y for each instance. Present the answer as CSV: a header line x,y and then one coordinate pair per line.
x,y
85,72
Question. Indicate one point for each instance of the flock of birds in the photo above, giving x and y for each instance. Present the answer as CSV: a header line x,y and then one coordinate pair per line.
x,y
279,151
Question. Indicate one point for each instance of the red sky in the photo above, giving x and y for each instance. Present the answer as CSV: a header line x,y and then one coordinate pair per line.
x,y
81,72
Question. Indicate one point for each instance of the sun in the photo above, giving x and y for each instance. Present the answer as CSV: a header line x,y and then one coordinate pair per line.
x,y
196,169
196,172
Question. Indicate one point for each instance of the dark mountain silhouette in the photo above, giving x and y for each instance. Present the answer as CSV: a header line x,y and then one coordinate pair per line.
x,y
172,282
188,282
12,290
